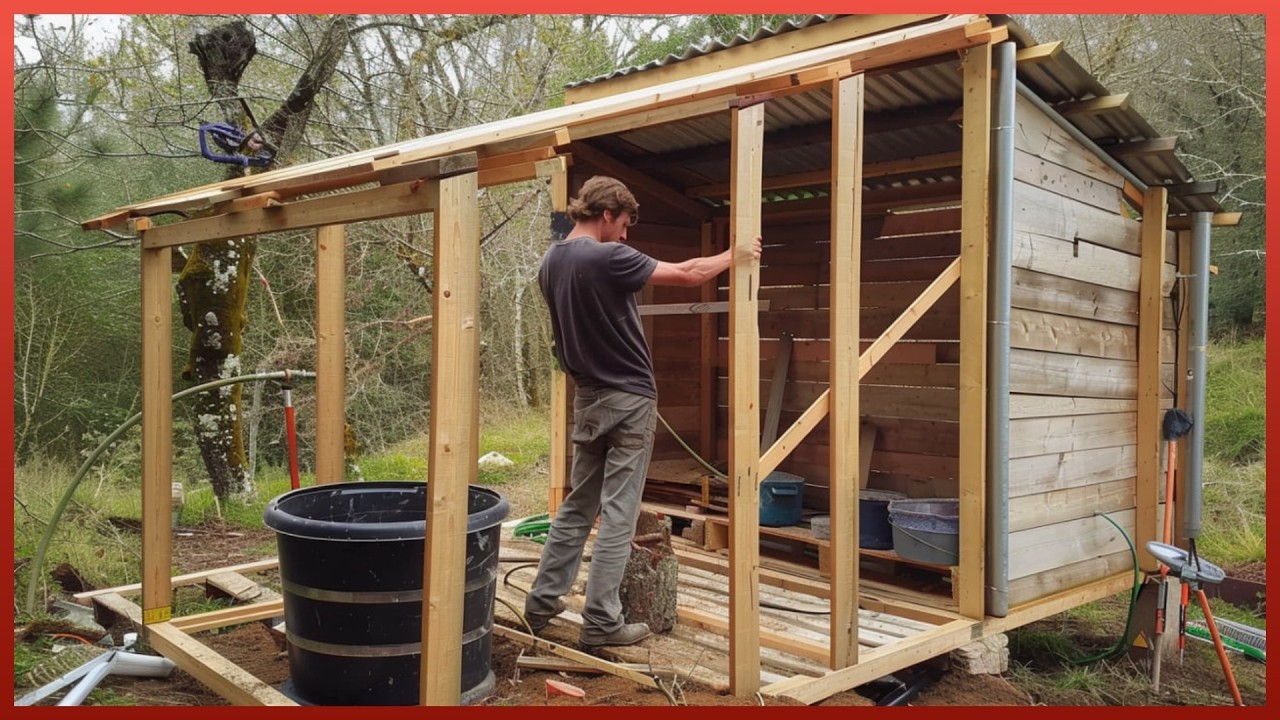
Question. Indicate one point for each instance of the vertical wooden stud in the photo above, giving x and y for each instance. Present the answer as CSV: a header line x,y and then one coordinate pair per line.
x,y
561,414
744,402
1150,319
454,436
157,430
843,413
974,234
331,352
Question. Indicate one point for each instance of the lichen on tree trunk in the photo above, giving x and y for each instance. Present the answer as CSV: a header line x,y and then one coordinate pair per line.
x,y
213,289
648,590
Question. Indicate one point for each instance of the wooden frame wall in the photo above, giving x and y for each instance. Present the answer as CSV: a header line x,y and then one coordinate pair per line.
x,y
454,431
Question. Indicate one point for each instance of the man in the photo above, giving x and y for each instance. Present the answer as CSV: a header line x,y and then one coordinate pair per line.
x,y
589,281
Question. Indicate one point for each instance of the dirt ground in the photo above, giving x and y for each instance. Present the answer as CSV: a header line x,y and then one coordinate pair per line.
x,y
260,652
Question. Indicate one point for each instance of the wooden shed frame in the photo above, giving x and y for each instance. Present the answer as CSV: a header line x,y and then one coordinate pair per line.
x,y
441,174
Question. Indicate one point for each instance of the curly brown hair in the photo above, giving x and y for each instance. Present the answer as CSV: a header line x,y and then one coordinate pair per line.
x,y
600,193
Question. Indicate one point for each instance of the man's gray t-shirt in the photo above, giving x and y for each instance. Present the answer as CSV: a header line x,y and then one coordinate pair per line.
x,y
590,289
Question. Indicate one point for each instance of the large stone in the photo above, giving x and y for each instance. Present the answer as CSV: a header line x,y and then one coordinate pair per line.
x,y
988,656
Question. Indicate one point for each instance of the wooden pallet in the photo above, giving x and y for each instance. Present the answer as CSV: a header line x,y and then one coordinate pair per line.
x,y
796,544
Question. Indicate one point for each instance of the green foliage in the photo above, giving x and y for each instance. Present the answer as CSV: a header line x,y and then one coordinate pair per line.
x,y
27,656
1235,401
1042,647
1234,518
393,466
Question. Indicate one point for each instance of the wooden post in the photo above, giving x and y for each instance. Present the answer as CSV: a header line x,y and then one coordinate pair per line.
x,y
561,454
157,430
744,403
454,436
1150,321
331,353
974,233
843,412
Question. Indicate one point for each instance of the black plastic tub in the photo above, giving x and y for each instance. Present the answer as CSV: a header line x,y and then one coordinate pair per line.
x,y
351,558
874,531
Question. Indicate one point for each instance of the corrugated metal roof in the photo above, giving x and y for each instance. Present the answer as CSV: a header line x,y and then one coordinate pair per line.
x,y
917,107
712,45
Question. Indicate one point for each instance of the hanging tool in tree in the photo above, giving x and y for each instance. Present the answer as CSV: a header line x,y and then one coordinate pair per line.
x,y
251,149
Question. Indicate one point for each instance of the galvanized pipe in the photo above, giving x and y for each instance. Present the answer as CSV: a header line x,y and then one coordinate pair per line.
x,y
1198,329
1000,280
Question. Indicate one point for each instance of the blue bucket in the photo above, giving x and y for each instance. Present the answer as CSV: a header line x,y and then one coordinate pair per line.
x,y
781,498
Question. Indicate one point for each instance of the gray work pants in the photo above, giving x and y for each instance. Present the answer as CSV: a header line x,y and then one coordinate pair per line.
x,y
613,440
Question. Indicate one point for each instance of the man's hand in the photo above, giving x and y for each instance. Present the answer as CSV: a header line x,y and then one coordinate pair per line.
x,y
755,249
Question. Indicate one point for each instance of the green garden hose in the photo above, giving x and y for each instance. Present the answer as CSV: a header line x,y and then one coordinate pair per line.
x,y
534,527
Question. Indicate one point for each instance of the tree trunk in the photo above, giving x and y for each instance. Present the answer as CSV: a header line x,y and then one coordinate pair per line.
x,y
213,287
648,590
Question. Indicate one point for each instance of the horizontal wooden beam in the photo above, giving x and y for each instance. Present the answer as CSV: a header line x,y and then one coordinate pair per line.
x,y
1222,219
904,166
229,616
551,664
434,168
1154,146
521,172
409,198
195,578
551,139
1204,187
795,82
1043,52
783,642
786,580
577,656
886,660
214,671
697,308
1093,106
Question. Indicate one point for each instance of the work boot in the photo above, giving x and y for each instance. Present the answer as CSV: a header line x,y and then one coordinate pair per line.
x,y
628,634
539,621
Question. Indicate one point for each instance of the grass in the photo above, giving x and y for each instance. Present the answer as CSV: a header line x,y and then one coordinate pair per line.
x,y
1235,417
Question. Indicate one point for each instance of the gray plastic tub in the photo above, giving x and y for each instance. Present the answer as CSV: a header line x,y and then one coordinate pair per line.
x,y
926,530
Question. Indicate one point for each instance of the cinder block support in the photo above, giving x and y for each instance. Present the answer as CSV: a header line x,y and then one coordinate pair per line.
x,y
987,656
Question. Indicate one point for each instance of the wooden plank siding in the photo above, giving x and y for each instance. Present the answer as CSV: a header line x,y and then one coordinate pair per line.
x,y
1073,365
